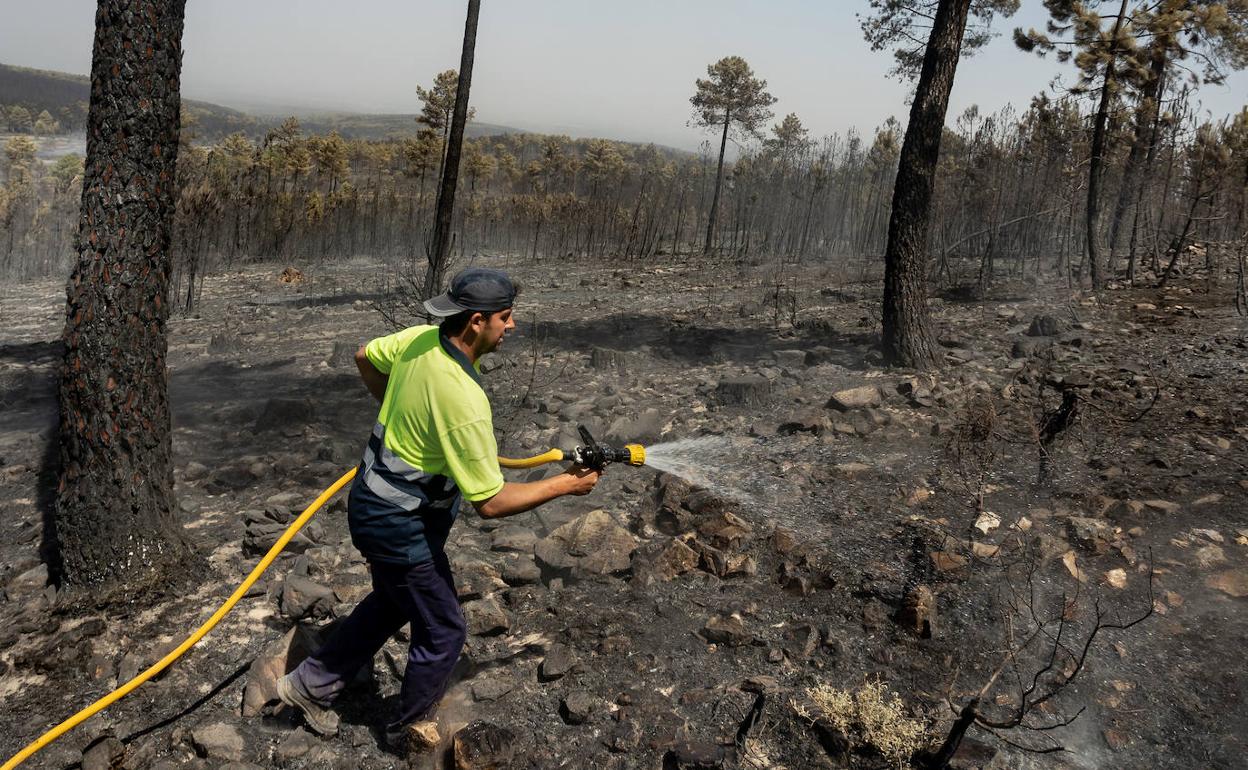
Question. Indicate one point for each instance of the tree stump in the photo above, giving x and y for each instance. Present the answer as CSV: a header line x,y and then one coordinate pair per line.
x,y
748,391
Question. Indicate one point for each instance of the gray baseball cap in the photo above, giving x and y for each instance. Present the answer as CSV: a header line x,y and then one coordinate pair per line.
x,y
475,288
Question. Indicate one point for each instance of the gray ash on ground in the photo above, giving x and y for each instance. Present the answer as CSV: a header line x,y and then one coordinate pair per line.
x,y
655,623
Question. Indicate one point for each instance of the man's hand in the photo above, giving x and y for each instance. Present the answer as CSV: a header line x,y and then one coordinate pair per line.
x,y
581,480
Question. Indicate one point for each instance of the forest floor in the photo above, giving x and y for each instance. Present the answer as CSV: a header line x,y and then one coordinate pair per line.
x,y
912,530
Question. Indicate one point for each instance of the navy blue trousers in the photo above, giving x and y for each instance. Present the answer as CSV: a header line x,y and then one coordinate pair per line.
x,y
422,595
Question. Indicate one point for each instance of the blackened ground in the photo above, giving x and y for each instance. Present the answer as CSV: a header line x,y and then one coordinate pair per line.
x,y
852,512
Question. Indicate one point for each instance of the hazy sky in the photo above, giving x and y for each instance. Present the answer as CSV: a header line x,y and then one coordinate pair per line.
x,y
622,69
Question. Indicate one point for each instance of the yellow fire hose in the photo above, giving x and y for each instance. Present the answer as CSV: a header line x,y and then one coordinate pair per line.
x,y
554,455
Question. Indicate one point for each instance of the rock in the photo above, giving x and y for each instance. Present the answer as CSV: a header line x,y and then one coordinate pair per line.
x,y
106,753
729,630
1209,556
851,470
675,559
577,708
791,359
492,686
947,563
521,571
295,746
264,529
275,661
592,543
194,471
800,642
513,537
726,530
1232,582
28,583
643,428
422,736
1116,578
559,661
987,522
809,421
1026,347
304,598
287,416
1165,506
625,736
918,612
218,741
783,540
690,754
486,617
748,391
475,578
861,397
1093,535
484,746
1046,326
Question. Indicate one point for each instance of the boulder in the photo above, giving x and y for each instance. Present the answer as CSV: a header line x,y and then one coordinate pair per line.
x,y
592,543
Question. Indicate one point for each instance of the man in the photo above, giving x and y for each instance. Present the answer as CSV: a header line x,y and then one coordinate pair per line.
x,y
433,442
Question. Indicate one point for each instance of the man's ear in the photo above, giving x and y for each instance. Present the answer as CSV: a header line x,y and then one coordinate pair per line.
x,y
477,321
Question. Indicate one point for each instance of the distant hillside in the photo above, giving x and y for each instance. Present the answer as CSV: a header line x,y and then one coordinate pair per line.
x,y
65,97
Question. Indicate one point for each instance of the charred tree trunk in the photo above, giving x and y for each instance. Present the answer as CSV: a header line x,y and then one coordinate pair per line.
x,y
439,251
1096,162
719,179
907,338
114,516
1145,120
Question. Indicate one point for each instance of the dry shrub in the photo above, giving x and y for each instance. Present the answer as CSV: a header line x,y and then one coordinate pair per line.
x,y
872,716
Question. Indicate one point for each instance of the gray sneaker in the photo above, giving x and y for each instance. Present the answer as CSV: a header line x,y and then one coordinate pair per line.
x,y
321,719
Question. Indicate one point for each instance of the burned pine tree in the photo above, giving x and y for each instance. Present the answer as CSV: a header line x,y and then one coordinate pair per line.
x,y
114,517
731,97
907,339
439,250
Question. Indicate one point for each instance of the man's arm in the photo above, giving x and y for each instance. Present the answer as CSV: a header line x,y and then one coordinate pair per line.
x,y
374,379
518,497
